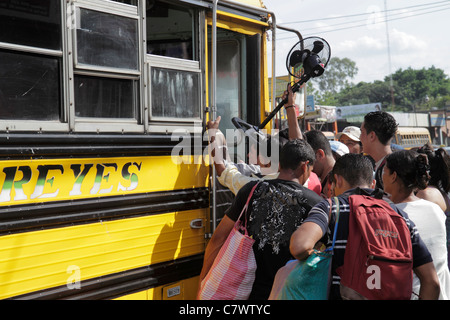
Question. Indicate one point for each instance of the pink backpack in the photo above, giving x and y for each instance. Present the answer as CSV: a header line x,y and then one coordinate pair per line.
x,y
378,256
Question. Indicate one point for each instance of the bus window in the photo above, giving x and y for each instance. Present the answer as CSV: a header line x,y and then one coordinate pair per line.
x,y
174,69
31,23
228,82
106,66
99,97
106,40
30,61
172,91
238,87
29,87
170,30
229,76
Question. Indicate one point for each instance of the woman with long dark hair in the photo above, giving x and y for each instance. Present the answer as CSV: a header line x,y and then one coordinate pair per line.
x,y
405,172
439,186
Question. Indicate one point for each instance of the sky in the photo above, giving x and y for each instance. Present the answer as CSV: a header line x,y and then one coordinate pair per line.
x,y
418,33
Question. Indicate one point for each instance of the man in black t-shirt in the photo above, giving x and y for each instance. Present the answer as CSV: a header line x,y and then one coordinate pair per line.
x,y
275,211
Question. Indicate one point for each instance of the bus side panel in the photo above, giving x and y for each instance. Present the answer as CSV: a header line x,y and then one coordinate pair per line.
x,y
38,260
128,213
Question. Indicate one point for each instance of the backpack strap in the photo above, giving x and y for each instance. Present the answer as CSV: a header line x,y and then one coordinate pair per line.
x,y
336,201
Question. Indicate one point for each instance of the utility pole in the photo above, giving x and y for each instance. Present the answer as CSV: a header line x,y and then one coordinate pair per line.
x,y
389,54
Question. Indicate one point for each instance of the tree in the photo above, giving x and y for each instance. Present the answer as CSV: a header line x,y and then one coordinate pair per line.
x,y
414,89
336,77
365,92
419,90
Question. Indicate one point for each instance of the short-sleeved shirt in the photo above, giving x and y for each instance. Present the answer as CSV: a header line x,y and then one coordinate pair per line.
x,y
276,210
319,215
314,184
431,227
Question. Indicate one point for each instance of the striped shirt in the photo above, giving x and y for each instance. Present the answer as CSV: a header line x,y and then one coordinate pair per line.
x,y
319,214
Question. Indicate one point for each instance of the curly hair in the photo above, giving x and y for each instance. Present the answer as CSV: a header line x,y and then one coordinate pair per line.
x,y
382,123
439,167
411,167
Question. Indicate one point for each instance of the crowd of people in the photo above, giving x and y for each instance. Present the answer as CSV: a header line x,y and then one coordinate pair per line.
x,y
288,214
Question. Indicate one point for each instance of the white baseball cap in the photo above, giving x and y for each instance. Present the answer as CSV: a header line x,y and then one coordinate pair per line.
x,y
352,132
339,148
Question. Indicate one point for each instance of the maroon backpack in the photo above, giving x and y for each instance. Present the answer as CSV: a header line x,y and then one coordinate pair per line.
x,y
378,256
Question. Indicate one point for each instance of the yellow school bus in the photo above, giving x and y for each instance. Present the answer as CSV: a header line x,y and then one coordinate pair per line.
x,y
411,137
97,198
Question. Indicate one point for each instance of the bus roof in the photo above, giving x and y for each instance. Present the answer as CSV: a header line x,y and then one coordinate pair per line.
x,y
412,130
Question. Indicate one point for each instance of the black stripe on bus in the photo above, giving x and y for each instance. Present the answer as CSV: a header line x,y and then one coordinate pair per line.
x,y
122,283
52,145
24,218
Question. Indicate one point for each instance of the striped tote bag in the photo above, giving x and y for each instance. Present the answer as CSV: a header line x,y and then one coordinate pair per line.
x,y
232,274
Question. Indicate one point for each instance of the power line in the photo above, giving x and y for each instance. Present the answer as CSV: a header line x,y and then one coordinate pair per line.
x,y
366,13
408,15
382,21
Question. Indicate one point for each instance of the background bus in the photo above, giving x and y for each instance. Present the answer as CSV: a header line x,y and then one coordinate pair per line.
x,y
411,137
94,97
